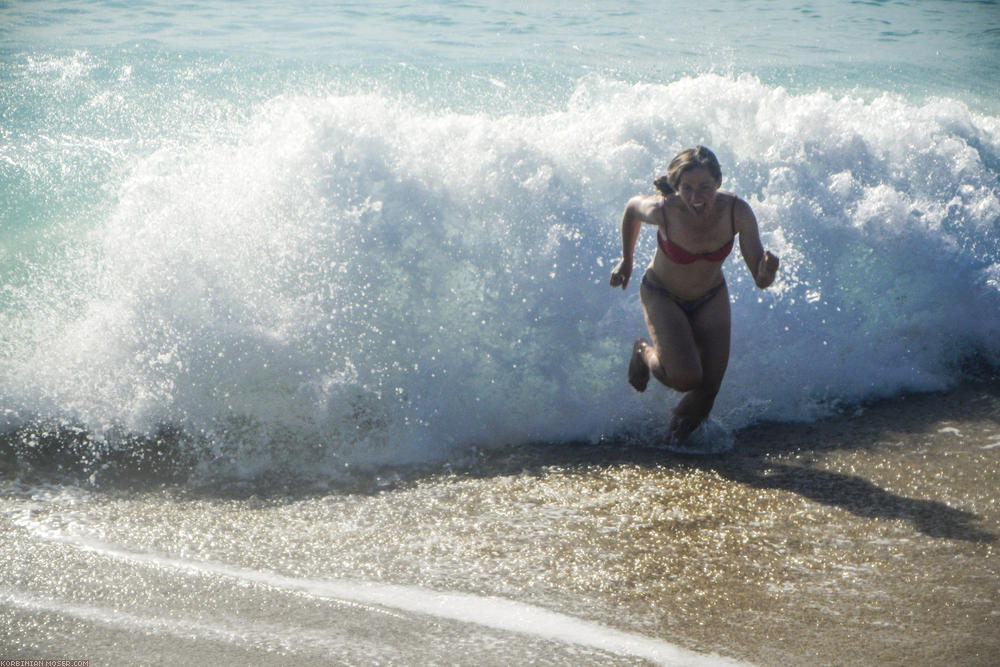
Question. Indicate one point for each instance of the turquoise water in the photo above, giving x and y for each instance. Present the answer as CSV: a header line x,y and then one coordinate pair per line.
x,y
304,235
903,46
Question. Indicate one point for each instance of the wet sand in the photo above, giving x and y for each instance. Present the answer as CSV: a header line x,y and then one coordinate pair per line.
x,y
863,539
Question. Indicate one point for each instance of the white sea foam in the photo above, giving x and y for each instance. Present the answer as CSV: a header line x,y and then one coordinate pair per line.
x,y
487,611
237,631
356,279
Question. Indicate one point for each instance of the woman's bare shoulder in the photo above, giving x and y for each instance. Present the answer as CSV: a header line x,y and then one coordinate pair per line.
x,y
648,208
728,196
741,209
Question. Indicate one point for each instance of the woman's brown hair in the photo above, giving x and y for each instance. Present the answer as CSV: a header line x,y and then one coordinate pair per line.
x,y
686,160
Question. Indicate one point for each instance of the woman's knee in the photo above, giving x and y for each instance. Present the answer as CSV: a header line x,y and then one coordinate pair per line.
x,y
680,374
680,378
685,381
666,369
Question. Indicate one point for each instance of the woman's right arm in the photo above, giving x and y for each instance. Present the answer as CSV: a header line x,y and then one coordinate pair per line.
x,y
639,209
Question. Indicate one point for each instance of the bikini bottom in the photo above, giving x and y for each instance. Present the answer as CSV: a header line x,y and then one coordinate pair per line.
x,y
688,306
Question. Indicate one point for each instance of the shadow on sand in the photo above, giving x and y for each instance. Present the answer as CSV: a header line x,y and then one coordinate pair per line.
x,y
782,457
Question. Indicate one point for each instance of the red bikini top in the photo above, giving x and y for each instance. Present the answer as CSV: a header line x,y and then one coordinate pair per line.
x,y
682,256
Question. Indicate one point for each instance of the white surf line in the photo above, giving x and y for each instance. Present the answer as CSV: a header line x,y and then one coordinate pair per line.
x,y
492,612
254,636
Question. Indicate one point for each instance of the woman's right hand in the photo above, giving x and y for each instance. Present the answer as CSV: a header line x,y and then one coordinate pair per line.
x,y
621,274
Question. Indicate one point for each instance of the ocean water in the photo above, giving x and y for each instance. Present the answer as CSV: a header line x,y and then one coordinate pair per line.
x,y
281,246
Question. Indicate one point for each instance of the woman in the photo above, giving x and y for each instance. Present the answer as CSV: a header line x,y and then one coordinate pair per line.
x,y
683,293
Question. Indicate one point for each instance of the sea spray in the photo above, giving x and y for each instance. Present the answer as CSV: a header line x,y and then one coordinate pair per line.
x,y
351,279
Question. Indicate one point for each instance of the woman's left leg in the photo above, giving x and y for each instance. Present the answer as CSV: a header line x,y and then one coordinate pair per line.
x,y
711,326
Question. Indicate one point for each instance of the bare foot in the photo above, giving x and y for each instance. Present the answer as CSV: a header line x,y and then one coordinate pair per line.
x,y
638,369
681,428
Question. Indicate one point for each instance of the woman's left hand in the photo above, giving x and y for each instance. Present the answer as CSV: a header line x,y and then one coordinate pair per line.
x,y
621,274
767,269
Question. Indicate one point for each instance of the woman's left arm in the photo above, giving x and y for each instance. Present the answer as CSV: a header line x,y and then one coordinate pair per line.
x,y
762,264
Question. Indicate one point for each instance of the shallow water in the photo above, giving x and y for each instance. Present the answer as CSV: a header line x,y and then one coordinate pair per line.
x,y
859,540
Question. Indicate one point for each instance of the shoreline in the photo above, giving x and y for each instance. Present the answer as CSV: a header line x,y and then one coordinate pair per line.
x,y
67,454
867,539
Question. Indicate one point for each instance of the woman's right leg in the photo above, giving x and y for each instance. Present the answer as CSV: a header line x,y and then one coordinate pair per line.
x,y
672,355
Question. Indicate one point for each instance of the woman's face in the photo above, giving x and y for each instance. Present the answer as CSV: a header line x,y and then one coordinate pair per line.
x,y
697,190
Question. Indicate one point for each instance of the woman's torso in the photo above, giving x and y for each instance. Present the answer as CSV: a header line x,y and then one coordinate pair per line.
x,y
691,251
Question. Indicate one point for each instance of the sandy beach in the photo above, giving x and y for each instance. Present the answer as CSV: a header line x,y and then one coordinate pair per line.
x,y
862,539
